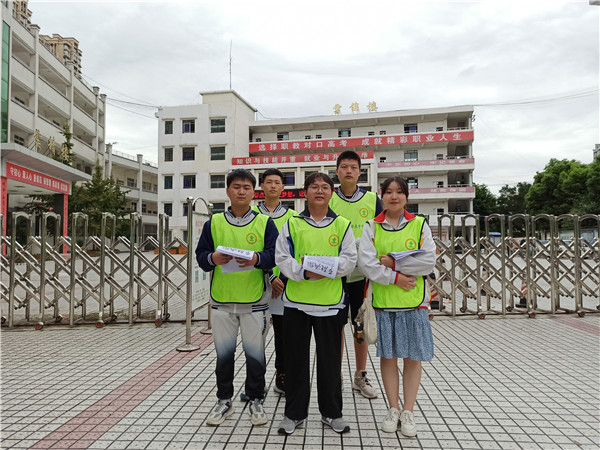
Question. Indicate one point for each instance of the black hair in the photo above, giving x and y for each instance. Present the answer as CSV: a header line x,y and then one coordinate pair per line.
x,y
396,179
241,174
318,176
348,154
271,171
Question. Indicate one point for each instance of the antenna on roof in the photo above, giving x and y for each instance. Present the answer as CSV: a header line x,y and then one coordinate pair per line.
x,y
230,58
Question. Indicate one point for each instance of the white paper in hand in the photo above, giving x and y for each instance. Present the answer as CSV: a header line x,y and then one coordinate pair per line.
x,y
400,255
233,266
323,265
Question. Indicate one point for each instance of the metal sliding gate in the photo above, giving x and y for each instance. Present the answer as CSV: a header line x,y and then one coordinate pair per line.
x,y
93,279
509,275
102,279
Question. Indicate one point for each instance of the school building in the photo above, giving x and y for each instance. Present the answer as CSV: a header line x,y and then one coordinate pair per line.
x,y
199,144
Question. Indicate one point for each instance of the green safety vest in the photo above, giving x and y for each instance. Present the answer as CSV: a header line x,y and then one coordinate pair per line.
x,y
357,212
238,287
310,240
408,238
279,222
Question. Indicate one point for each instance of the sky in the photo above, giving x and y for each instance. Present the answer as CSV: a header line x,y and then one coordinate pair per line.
x,y
530,68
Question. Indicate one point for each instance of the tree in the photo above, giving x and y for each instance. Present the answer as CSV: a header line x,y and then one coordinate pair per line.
x,y
590,204
484,204
559,188
511,199
97,196
65,155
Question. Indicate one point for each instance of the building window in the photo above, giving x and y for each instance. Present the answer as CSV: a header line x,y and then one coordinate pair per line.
x,y
131,182
217,181
168,209
318,136
344,132
258,140
440,156
217,153
439,184
19,140
185,209
382,133
146,186
283,136
188,153
134,206
120,182
411,155
289,178
144,208
188,126
185,235
168,181
168,154
440,211
189,181
370,133
218,207
382,159
412,208
308,173
307,136
439,128
168,127
288,204
413,183
364,176
410,128
217,125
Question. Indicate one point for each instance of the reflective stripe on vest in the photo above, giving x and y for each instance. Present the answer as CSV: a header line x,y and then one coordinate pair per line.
x,y
238,287
310,240
358,213
386,241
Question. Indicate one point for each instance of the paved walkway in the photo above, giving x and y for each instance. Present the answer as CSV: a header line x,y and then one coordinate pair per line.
x,y
498,383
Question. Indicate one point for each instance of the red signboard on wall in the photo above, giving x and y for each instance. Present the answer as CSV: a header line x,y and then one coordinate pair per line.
x,y
295,159
29,176
365,141
286,194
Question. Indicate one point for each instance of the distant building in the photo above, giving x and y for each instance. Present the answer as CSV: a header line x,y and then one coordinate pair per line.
x,y
596,151
200,144
66,49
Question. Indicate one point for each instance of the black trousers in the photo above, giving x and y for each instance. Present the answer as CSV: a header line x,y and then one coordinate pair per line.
x,y
297,332
279,349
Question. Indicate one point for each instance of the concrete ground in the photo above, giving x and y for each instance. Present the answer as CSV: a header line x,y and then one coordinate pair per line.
x,y
499,383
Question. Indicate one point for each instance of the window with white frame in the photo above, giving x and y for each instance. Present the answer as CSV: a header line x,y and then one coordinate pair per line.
x,y
168,182
188,153
218,207
411,155
168,127
168,152
189,181
217,153
217,181
344,132
131,182
411,128
283,136
413,183
168,209
188,126
217,125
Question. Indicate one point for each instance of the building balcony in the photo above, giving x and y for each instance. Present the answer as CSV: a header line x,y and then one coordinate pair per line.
x,y
54,98
22,116
439,165
22,75
453,192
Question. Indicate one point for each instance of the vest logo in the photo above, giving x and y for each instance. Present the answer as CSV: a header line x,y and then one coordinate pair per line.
x,y
334,240
364,212
251,238
410,244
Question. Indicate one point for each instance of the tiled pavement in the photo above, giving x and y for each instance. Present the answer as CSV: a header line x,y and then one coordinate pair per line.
x,y
496,383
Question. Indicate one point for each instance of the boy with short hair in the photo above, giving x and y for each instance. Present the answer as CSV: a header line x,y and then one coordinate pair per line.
x,y
358,206
237,295
272,184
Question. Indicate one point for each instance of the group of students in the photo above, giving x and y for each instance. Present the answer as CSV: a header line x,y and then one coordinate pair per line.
x,y
351,229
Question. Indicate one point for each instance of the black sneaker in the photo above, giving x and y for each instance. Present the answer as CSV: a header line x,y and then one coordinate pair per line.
x,y
244,397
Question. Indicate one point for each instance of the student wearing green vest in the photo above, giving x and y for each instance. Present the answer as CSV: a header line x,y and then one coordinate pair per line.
x,y
239,293
400,298
312,303
358,206
272,184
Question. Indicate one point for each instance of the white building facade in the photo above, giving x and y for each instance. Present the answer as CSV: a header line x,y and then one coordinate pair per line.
x,y
200,144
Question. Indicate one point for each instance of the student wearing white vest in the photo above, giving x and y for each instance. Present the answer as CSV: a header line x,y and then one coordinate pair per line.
x,y
272,184
239,299
312,302
358,206
400,298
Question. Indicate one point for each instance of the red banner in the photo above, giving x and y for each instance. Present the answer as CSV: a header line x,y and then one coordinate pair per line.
x,y
366,141
317,157
29,176
287,193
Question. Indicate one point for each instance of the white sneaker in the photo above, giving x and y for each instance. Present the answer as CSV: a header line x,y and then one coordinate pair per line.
x,y
222,410
408,427
257,412
361,383
390,423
